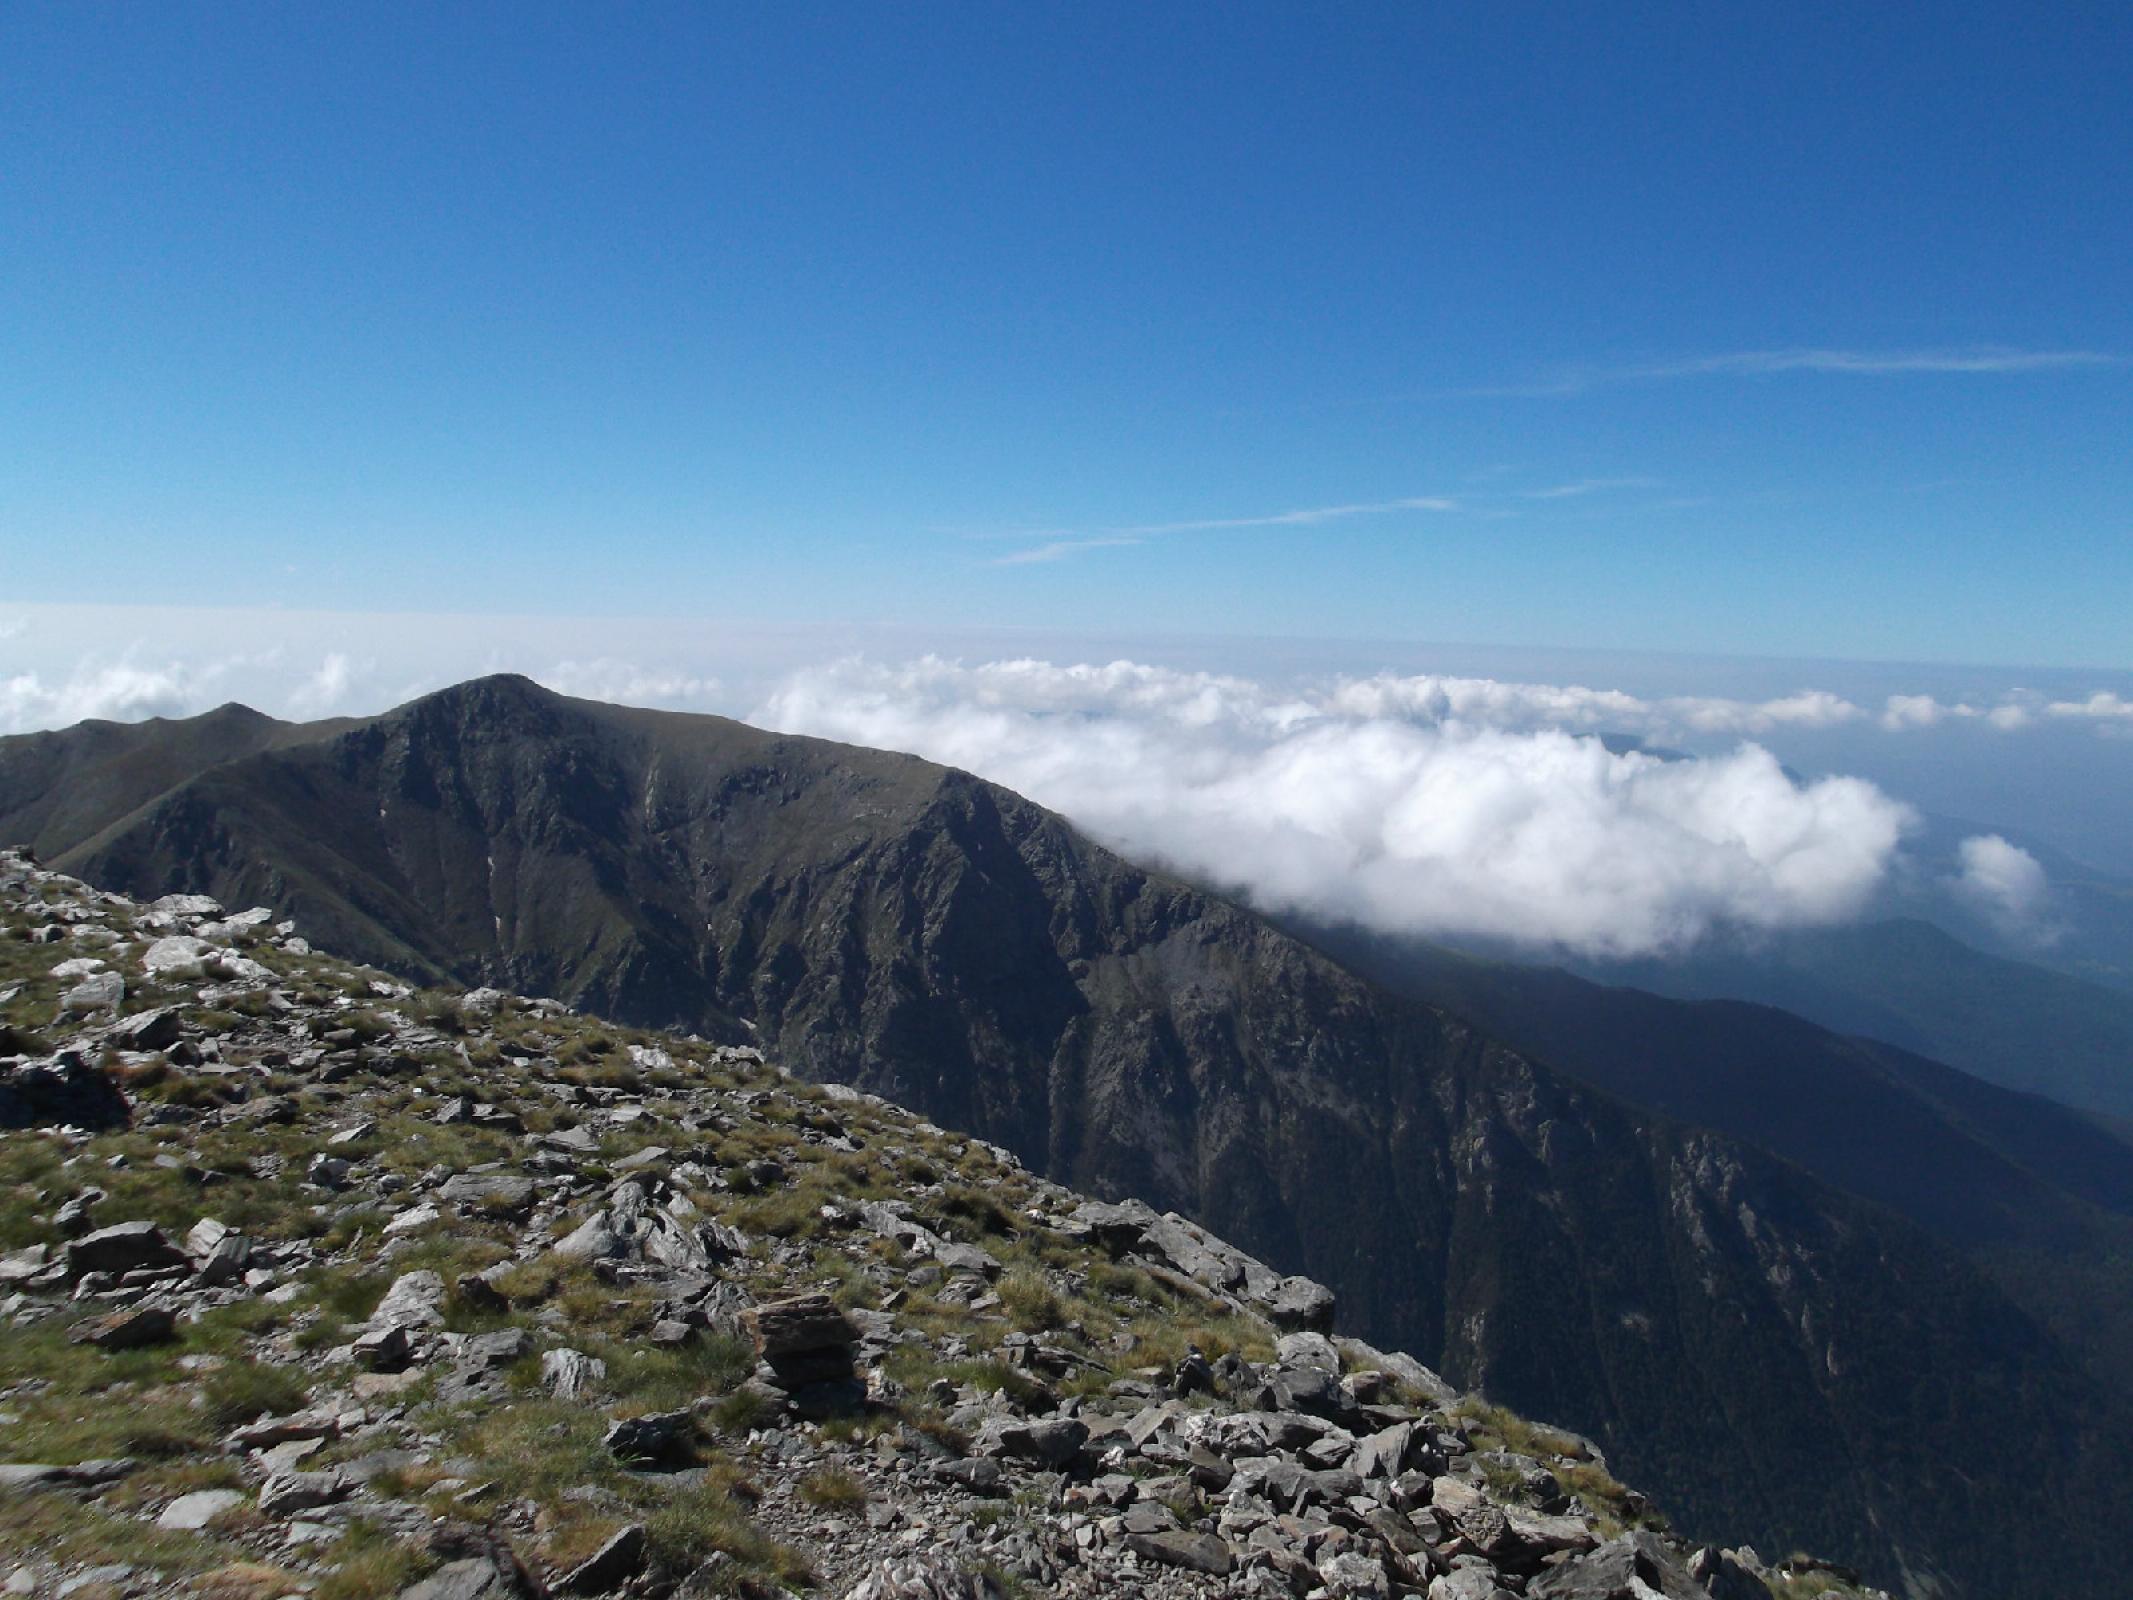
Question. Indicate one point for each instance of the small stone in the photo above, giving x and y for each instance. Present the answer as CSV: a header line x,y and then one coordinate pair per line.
x,y
569,1374
202,1237
147,1030
500,1193
177,956
1354,1576
1054,1441
227,1261
660,1437
490,1351
301,1491
798,1323
412,1219
327,1172
101,991
187,905
1195,1552
386,1349
20,1266
979,1474
477,1578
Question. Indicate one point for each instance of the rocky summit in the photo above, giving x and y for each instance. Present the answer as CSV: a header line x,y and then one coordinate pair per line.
x,y
314,1284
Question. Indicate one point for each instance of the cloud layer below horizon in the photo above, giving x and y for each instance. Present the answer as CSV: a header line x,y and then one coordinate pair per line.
x,y
1430,804
1437,806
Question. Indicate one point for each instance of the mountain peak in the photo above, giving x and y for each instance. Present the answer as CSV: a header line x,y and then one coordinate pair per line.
x,y
495,688
497,702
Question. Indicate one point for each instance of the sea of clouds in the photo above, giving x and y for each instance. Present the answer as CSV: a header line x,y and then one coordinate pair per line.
x,y
1414,803
1424,805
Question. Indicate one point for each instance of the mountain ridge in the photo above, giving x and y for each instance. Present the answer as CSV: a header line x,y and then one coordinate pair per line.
x,y
929,937
1910,983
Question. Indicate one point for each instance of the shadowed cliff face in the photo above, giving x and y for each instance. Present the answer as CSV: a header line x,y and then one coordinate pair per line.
x,y
1765,1353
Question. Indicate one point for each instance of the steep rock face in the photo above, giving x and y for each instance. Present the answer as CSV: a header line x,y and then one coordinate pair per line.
x,y
1760,1350
2038,1194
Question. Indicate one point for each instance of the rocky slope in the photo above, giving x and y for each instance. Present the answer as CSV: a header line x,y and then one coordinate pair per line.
x,y
315,1285
1765,1354
2039,1195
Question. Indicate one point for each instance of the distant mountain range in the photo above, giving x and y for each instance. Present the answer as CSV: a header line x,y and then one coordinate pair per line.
x,y
2038,1194
1825,1347
1909,983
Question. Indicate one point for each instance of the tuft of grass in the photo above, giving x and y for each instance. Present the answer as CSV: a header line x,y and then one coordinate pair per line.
x,y
246,1389
1614,1507
367,1562
669,1380
1030,1301
685,1530
978,1210
439,1009
61,1529
831,1489
1809,1583
741,1411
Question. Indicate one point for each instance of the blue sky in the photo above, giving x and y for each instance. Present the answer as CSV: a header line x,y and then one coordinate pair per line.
x,y
1795,331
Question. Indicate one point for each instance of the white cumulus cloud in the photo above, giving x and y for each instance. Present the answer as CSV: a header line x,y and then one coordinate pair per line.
x,y
327,690
629,684
1423,805
115,691
2101,706
2003,881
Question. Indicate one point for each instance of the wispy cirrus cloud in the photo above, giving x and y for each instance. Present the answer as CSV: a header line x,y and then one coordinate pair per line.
x,y
1060,549
1581,487
1950,360
1059,544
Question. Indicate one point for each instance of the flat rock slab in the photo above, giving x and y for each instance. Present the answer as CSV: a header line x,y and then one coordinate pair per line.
x,y
191,1512
1195,1552
798,1323
82,1474
123,1248
129,1328
1054,1441
501,1192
